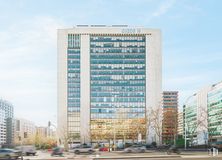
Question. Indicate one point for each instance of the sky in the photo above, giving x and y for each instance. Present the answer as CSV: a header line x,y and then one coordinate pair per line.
x,y
191,45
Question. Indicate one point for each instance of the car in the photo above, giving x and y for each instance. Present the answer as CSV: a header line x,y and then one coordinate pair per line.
x,y
173,149
57,151
135,148
103,149
84,148
27,150
6,153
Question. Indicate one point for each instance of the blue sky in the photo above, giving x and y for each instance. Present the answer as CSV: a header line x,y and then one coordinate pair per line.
x,y
191,40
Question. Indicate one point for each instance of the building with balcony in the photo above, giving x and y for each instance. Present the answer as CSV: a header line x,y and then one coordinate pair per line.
x,y
170,116
6,123
25,131
109,77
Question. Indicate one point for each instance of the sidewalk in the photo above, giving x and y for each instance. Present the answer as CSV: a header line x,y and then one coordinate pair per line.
x,y
121,155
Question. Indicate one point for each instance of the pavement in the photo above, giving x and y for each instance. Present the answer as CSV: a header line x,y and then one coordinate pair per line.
x,y
150,155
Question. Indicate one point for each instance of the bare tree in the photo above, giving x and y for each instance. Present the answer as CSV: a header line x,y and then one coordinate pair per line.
x,y
156,122
67,137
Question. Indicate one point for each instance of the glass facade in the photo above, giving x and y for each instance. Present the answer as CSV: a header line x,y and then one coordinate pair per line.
x,y
190,119
117,86
73,85
215,113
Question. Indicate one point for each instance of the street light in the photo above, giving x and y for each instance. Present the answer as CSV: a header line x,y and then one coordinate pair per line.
x,y
58,141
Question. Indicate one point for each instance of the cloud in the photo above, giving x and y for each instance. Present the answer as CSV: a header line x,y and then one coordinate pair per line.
x,y
163,8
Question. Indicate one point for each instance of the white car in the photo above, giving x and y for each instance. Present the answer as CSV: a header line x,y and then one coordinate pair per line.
x,y
9,154
82,149
135,148
27,150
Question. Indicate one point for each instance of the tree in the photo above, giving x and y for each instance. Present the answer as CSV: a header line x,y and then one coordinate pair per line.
x,y
156,122
67,137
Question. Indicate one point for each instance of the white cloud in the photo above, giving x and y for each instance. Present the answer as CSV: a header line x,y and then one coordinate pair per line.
x,y
164,8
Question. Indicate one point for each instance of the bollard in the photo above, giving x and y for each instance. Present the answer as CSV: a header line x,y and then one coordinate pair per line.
x,y
215,152
209,152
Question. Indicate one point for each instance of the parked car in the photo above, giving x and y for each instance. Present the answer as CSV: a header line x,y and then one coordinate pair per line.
x,y
173,149
84,148
57,151
27,150
103,149
9,154
135,148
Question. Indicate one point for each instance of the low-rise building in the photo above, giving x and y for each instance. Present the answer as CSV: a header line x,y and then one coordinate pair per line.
x,y
24,130
202,116
195,117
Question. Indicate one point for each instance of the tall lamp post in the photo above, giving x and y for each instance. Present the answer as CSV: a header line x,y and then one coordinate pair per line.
x,y
51,124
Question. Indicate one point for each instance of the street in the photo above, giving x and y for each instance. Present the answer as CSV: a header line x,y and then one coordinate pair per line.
x,y
150,155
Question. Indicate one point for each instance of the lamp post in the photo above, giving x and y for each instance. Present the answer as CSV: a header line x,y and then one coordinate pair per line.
x,y
57,139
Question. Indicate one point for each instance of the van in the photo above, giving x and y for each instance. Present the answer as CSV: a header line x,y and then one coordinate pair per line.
x,y
27,150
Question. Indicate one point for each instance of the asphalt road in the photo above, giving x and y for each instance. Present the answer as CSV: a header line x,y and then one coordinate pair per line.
x,y
207,158
126,156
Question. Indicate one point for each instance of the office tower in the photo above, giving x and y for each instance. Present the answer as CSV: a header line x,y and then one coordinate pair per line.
x,y
109,78
170,116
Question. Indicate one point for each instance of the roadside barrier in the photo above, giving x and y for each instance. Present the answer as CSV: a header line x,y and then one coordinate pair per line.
x,y
213,152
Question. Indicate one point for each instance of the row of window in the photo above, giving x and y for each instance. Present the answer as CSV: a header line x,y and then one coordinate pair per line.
x,y
135,72
116,100
117,38
123,94
118,88
106,61
116,116
137,56
115,50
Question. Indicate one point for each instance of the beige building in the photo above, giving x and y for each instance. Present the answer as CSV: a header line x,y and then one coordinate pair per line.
x,y
24,130
45,132
105,71
180,124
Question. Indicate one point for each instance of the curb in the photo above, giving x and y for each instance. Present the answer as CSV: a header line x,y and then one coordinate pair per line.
x,y
134,157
